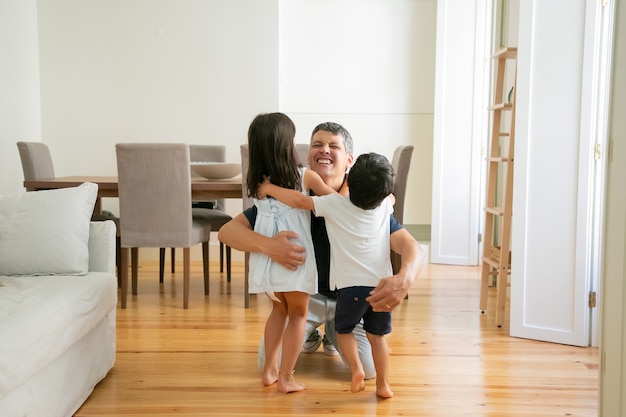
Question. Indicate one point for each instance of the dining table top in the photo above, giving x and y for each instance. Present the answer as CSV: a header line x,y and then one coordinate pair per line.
x,y
201,188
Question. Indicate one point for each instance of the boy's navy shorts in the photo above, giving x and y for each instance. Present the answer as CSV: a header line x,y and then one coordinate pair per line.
x,y
352,307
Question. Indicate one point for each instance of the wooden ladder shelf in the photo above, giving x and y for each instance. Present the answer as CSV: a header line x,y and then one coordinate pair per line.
x,y
496,259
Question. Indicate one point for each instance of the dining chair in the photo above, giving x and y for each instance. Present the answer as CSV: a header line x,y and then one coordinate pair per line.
x,y
155,208
401,162
303,153
213,210
37,164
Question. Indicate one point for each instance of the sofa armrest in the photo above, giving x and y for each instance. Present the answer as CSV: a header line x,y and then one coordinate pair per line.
x,y
102,246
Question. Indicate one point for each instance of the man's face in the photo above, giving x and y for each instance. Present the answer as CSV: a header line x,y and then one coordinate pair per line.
x,y
328,157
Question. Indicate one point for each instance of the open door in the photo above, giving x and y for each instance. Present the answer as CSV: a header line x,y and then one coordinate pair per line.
x,y
559,169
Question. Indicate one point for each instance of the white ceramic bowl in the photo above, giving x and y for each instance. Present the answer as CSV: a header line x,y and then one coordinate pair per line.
x,y
216,170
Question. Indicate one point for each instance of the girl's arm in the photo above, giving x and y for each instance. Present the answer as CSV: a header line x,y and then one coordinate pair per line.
x,y
313,181
293,198
344,187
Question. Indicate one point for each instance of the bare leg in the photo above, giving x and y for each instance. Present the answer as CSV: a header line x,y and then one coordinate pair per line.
x,y
297,305
274,330
380,351
365,350
350,352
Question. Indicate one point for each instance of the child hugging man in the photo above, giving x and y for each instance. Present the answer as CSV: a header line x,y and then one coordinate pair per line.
x,y
358,231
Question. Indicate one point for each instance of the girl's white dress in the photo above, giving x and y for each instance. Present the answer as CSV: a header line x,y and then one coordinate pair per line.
x,y
269,277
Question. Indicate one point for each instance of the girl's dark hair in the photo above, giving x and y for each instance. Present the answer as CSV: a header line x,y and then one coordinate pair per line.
x,y
272,152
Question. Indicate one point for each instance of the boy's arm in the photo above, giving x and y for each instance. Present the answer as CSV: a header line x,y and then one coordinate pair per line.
x,y
293,198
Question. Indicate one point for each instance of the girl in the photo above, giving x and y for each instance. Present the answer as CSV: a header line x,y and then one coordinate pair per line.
x,y
272,154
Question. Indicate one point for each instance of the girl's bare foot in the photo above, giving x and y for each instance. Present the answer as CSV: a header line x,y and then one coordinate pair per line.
x,y
358,381
269,376
286,383
383,389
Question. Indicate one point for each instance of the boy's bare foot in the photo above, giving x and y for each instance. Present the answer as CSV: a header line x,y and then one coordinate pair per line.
x,y
358,381
269,376
383,389
287,384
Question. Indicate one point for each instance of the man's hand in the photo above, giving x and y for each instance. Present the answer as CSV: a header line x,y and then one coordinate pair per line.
x,y
238,234
388,294
390,291
280,249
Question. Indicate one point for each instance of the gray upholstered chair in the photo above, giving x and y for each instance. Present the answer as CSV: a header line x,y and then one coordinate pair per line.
x,y
155,208
37,165
213,210
303,154
401,162
36,160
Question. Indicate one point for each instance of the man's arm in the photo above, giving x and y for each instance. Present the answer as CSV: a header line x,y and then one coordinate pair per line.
x,y
238,234
390,291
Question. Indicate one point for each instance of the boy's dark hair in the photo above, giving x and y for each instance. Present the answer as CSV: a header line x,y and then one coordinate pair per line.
x,y
370,180
272,152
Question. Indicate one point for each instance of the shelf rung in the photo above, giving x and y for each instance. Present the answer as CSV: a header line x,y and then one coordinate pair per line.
x,y
505,53
494,210
491,262
501,106
499,159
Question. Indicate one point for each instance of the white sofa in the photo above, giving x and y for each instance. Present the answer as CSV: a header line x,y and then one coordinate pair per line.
x,y
57,330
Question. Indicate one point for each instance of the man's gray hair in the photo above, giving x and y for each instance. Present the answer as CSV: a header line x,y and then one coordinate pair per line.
x,y
336,129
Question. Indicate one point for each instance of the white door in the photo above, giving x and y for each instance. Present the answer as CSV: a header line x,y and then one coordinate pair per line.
x,y
613,340
461,93
554,213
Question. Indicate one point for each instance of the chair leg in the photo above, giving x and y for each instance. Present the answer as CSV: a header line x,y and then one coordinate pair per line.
x,y
161,264
134,264
123,274
246,294
205,266
118,258
228,265
173,259
396,263
186,273
221,257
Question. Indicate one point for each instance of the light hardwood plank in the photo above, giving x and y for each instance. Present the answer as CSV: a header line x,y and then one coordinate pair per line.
x,y
446,358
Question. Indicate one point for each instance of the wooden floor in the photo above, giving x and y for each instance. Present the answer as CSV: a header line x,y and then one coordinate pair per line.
x,y
447,359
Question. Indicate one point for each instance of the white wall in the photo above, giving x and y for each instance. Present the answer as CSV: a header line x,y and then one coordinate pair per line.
x,y
198,71
20,117
152,70
372,71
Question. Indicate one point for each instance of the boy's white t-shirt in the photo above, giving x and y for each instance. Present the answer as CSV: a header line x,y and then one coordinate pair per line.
x,y
359,240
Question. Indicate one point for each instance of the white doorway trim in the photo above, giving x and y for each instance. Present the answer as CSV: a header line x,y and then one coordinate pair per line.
x,y
460,126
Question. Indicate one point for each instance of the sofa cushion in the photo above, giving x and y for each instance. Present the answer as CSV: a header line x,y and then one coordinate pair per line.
x,y
46,232
42,316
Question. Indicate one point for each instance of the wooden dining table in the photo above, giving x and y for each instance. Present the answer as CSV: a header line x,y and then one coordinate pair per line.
x,y
201,188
